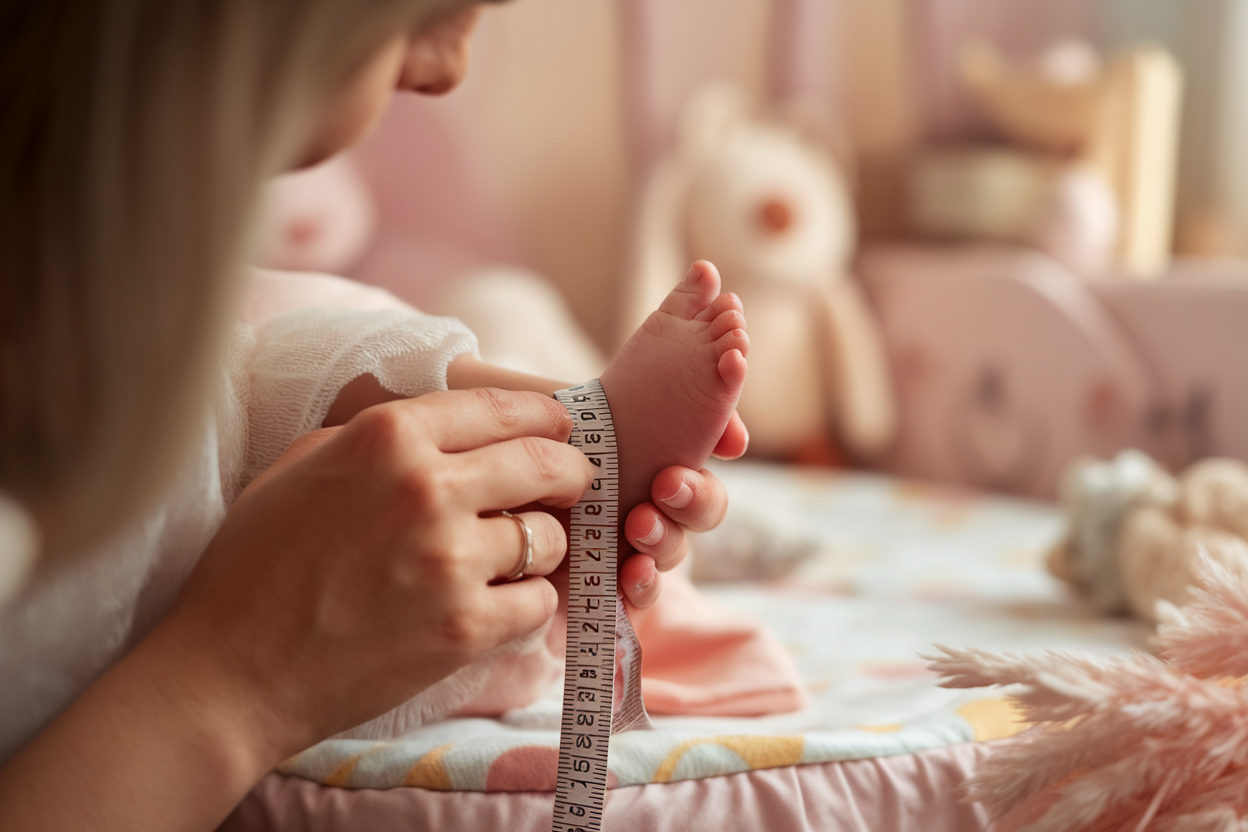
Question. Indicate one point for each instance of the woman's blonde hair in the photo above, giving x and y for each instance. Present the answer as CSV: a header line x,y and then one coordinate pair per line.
x,y
134,135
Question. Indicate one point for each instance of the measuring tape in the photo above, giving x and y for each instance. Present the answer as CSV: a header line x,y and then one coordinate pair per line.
x,y
595,702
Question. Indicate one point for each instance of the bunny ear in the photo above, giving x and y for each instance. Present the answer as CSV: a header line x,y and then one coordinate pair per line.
x,y
657,258
710,114
817,124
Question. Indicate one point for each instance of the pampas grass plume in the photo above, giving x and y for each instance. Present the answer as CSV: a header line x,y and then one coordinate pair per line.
x,y
1124,744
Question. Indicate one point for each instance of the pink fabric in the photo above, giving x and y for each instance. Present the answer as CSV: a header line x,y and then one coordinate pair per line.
x,y
910,793
698,658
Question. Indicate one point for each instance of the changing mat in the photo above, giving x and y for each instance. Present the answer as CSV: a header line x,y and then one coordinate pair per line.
x,y
887,568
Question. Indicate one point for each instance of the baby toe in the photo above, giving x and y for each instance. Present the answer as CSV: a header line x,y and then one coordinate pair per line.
x,y
694,294
733,339
732,368
724,303
726,322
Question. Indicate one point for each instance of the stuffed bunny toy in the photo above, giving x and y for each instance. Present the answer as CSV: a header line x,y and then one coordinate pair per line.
x,y
766,201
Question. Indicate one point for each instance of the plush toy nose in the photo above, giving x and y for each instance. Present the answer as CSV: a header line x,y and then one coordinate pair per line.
x,y
775,216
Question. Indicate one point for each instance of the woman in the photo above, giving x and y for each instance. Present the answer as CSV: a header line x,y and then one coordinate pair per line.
x,y
355,571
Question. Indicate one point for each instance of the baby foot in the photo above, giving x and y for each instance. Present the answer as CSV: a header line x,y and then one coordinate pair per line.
x,y
674,385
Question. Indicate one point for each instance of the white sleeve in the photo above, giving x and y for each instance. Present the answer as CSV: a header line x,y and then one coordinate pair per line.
x,y
304,358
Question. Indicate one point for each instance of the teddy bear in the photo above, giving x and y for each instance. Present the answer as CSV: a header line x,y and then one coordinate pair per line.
x,y
1136,534
766,199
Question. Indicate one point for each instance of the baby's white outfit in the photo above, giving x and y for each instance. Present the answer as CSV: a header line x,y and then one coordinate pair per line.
x,y
75,617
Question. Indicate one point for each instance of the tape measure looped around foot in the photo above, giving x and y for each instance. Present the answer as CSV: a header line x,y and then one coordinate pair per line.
x,y
594,701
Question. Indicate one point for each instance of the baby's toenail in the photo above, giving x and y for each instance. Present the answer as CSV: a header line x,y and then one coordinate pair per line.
x,y
654,535
642,586
681,499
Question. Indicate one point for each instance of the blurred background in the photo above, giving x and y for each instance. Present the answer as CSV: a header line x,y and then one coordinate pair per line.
x,y
977,239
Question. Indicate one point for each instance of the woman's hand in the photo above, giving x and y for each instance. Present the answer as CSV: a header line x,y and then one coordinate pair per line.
x,y
683,500
360,572
346,579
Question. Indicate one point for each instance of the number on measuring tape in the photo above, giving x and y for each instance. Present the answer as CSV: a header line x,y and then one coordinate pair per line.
x,y
589,676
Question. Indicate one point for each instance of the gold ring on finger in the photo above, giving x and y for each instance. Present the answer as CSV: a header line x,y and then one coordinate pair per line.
x,y
526,556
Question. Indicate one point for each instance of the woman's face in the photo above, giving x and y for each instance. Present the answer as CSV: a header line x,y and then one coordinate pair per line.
x,y
431,61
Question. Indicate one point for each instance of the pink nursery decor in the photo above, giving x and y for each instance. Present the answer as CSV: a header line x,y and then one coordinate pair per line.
x,y
1006,363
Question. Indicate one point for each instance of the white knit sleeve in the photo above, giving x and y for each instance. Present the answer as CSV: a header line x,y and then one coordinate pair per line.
x,y
304,358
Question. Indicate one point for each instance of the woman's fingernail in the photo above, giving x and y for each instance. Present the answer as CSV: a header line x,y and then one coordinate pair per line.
x,y
654,535
681,499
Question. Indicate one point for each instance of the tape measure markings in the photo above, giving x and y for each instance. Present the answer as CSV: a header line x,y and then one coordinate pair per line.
x,y
589,674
